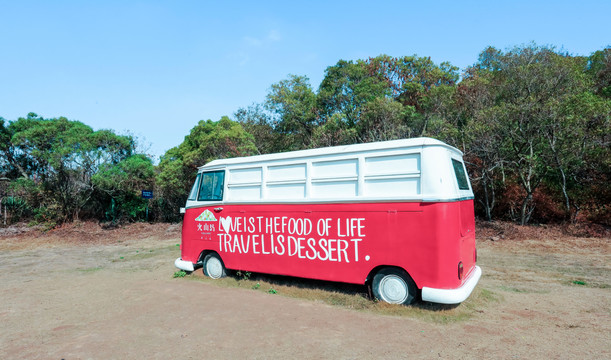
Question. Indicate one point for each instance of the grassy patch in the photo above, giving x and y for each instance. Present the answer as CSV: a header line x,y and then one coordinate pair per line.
x,y
589,284
180,274
512,289
356,297
90,270
523,290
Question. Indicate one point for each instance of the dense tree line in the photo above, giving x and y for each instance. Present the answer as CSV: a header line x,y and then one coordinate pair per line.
x,y
56,170
534,124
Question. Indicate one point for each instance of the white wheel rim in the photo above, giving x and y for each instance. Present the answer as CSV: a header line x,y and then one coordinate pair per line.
x,y
393,289
214,268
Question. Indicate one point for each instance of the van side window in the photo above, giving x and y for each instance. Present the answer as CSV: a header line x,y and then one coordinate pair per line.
x,y
461,176
193,193
211,186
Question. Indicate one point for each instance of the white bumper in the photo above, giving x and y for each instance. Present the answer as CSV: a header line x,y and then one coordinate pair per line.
x,y
183,265
453,296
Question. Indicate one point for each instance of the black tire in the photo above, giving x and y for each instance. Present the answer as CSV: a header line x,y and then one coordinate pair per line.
x,y
213,266
394,286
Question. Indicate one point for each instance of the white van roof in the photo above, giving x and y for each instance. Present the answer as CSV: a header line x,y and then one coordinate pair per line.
x,y
419,169
335,150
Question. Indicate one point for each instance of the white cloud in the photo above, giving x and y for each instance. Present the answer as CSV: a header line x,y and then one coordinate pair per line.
x,y
251,44
274,36
271,37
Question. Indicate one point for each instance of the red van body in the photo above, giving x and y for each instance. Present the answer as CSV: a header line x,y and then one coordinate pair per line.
x,y
338,220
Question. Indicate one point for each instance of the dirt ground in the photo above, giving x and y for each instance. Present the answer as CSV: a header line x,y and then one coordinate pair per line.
x,y
82,292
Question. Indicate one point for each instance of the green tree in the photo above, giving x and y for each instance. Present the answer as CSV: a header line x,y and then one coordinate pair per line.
x,y
384,119
119,187
257,121
292,103
207,141
581,150
13,161
60,157
527,87
388,97
599,69
335,131
410,78
480,138
419,83
346,88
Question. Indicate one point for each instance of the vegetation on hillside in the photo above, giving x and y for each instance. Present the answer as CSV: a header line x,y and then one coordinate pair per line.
x,y
534,124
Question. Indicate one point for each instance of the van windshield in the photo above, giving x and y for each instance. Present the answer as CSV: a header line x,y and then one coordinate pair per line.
x,y
193,193
211,186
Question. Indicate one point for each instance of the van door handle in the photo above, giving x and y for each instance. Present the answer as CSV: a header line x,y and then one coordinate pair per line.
x,y
219,209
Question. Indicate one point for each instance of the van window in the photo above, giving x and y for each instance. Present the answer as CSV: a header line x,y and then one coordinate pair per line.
x,y
461,176
193,193
211,188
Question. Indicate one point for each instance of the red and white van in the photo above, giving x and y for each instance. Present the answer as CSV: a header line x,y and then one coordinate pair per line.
x,y
396,214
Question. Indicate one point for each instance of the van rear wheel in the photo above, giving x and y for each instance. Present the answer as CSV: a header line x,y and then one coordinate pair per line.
x,y
213,266
394,286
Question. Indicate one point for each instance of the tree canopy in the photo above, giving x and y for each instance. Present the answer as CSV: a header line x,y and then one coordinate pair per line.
x,y
533,122
53,162
207,141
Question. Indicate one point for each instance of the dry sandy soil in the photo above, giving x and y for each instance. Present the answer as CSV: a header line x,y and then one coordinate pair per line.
x,y
82,292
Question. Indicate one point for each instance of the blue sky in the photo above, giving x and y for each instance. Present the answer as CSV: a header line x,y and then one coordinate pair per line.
x,y
155,68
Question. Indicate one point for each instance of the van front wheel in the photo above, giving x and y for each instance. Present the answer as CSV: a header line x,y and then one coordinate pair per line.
x,y
213,266
394,286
